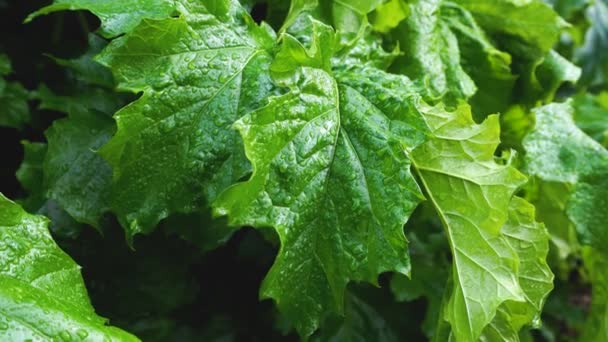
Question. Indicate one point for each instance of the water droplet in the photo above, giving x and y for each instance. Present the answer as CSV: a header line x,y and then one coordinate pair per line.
x,y
147,108
191,66
223,78
194,35
82,333
65,336
167,125
3,326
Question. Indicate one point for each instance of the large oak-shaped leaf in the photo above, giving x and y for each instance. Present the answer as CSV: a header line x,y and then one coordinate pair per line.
x,y
175,148
330,175
471,194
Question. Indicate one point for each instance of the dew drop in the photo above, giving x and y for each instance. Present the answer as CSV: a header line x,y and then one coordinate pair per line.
x,y
82,333
3,326
65,336
191,66
167,125
283,168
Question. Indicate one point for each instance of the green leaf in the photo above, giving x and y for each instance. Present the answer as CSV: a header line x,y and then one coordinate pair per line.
x,y
42,294
587,209
84,69
550,200
431,53
596,325
488,67
514,27
559,151
592,56
471,194
75,176
530,240
545,75
175,149
347,17
14,110
476,49
201,229
5,65
330,175
30,174
531,22
350,16
362,322
389,14
117,16
430,268
591,115
567,8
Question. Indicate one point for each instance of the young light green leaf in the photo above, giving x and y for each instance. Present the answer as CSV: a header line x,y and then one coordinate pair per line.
x,y
42,295
389,14
175,149
530,240
471,194
330,175
346,17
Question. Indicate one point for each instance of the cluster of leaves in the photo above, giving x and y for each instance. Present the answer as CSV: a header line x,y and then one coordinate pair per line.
x,y
480,125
